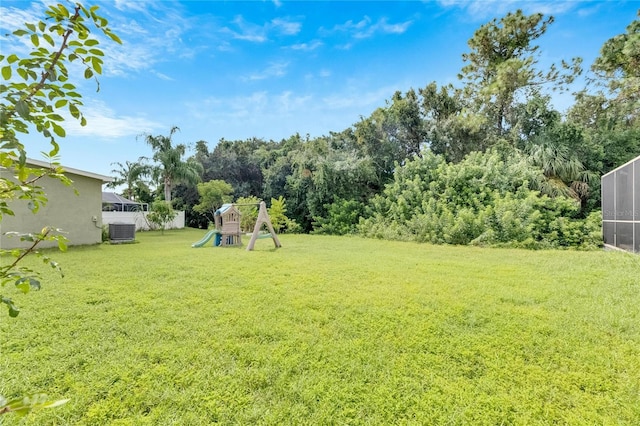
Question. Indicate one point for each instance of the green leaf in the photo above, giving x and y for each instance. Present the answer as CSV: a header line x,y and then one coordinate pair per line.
x,y
23,110
35,40
22,406
74,111
49,39
23,73
22,284
61,102
91,42
55,117
114,37
51,75
54,151
13,309
12,58
97,64
58,130
64,10
6,72
88,73
34,283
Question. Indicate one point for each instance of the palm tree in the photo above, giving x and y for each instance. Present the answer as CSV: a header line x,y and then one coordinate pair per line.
x,y
564,173
172,169
129,174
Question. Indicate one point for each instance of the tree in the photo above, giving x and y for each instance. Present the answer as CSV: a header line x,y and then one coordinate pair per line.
x,y
239,164
34,89
618,67
557,151
323,170
376,138
129,174
161,214
213,195
172,169
501,67
608,109
451,129
186,197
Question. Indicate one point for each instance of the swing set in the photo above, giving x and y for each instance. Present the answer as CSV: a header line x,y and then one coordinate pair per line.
x,y
227,230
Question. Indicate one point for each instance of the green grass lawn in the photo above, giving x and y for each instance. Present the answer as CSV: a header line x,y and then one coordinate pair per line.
x,y
328,330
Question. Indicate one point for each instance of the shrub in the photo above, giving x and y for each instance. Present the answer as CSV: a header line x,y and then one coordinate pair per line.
x,y
105,233
279,220
161,214
484,200
342,218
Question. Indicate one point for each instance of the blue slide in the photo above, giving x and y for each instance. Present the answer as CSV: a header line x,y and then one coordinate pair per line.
x,y
206,238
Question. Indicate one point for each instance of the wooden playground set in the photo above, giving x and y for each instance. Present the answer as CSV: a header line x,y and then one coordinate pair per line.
x,y
227,230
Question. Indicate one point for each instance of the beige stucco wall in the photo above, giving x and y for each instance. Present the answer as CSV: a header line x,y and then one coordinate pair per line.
x,y
65,210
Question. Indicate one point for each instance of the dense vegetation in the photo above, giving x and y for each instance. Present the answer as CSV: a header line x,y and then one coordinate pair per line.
x,y
489,161
329,330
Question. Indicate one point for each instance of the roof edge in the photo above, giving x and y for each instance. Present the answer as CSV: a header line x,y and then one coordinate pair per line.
x,y
45,164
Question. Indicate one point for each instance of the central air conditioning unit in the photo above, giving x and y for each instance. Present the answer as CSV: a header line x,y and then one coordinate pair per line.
x,y
119,232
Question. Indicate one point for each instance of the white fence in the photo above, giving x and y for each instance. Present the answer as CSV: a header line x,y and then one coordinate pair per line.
x,y
140,219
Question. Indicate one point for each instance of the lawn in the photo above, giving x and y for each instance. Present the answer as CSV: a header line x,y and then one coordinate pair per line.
x,y
328,330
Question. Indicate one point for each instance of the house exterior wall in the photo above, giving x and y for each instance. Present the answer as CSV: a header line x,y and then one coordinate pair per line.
x,y
621,207
65,210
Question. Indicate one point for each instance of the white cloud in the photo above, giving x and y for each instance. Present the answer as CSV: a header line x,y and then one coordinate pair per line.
x,y
399,28
275,69
162,76
278,115
13,19
351,26
246,31
287,102
286,27
483,9
136,5
313,45
366,28
249,31
360,100
104,123
151,32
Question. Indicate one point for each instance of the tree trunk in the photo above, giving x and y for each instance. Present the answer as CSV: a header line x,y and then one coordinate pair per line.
x,y
167,190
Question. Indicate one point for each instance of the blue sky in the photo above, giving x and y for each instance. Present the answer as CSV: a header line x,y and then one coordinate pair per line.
x,y
270,69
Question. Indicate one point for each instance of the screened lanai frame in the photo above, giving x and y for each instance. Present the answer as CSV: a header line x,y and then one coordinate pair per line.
x,y
620,192
112,202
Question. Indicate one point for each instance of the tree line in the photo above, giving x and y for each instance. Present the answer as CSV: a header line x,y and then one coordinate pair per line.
x,y
438,163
